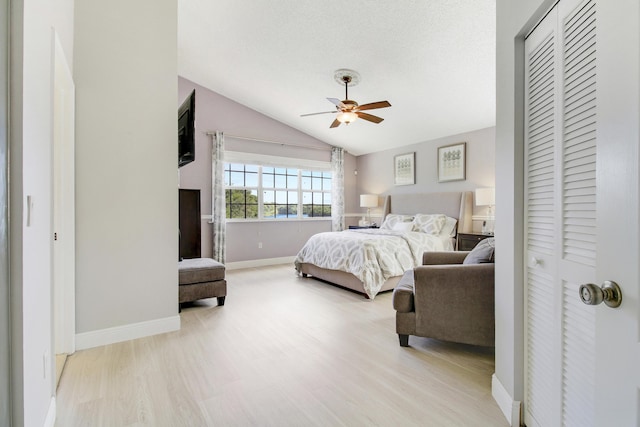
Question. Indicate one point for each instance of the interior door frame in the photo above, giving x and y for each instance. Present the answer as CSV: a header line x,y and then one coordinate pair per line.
x,y
63,191
5,320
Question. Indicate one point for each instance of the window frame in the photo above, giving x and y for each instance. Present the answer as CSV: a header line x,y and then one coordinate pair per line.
x,y
265,161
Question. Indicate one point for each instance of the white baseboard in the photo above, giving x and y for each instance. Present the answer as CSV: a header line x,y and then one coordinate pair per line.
x,y
50,421
127,332
510,408
259,263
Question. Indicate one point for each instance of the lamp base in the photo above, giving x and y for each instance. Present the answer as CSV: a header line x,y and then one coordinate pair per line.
x,y
488,227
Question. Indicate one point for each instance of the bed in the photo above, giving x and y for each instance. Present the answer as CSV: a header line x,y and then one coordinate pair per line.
x,y
370,261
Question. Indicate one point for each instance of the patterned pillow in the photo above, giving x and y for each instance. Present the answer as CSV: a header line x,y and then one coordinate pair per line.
x,y
429,223
449,228
483,252
392,219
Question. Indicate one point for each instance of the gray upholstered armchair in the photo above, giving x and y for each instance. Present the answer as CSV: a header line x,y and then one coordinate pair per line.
x,y
447,300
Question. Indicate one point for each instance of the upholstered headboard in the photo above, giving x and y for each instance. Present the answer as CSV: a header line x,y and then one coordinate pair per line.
x,y
456,204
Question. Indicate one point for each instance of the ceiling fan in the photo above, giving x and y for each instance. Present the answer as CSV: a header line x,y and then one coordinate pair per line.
x,y
348,110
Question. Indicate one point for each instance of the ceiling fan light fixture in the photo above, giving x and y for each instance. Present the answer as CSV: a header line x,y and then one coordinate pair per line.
x,y
349,110
347,117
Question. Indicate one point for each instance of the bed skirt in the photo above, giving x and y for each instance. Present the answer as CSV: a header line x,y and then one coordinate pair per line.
x,y
343,279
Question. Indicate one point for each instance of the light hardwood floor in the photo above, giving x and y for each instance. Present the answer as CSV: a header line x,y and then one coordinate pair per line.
x,y
282,351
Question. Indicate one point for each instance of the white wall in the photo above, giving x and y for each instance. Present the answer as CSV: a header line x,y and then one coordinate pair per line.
x,y
32,22
376,170
125,68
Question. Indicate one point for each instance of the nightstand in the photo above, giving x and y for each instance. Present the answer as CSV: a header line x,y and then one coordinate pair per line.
x,y
355,227
468,241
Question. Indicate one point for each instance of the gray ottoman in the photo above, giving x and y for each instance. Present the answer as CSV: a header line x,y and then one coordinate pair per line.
x,y
200,278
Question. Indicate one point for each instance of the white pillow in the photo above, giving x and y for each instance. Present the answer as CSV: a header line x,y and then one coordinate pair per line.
x,y
429,223
449,227
392,219
403,226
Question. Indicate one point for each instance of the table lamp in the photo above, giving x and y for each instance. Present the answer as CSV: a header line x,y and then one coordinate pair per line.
x,y
487,197
368,201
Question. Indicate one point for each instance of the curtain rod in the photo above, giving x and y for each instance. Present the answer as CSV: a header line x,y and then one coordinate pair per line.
x,y
247,138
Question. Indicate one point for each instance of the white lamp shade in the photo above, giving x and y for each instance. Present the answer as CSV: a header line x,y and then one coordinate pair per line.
x,y
485,196
368,200
347,117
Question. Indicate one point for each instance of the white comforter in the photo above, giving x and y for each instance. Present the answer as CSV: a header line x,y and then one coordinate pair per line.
x,y
372,255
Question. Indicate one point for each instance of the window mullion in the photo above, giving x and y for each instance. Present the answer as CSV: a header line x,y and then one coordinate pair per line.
x,y
299,216
260,195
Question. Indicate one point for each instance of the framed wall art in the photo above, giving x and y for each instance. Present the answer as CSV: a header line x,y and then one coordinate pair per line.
x,y
452,161
404,169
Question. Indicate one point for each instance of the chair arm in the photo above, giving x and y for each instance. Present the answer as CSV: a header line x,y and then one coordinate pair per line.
x,y
443,257
403,293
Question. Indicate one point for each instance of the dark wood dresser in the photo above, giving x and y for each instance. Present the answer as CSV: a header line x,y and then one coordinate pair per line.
x,y
189,223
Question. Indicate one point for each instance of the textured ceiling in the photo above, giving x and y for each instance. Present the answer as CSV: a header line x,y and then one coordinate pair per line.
x,y
433,60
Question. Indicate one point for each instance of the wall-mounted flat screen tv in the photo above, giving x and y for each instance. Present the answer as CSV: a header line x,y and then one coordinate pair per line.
x,y
187,130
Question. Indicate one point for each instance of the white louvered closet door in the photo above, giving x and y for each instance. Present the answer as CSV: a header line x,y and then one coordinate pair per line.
x,y
560,209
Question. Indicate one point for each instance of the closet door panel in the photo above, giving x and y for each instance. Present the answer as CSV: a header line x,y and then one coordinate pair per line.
x,y
560,207
542,381
578,191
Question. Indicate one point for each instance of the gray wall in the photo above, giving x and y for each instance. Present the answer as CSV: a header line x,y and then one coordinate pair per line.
x,y
125,67
5,343
17,285
376,170
215,112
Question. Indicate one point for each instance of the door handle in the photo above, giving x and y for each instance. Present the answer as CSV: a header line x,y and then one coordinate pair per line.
x,y
610,293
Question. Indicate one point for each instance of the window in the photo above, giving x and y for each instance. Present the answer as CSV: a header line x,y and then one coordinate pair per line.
x,y
271,192
316,193
241,186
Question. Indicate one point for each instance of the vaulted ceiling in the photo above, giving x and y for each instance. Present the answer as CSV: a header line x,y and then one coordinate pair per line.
x,y
433,60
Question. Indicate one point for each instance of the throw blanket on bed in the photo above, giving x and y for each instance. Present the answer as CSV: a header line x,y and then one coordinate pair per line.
x,y
372,255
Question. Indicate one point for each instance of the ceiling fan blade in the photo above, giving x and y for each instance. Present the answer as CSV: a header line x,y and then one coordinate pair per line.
x,y
315,114
335,124
369,117
374,105
336,102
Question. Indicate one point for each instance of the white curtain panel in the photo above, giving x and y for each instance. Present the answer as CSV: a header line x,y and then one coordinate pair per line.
x,y
337,189
218,214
